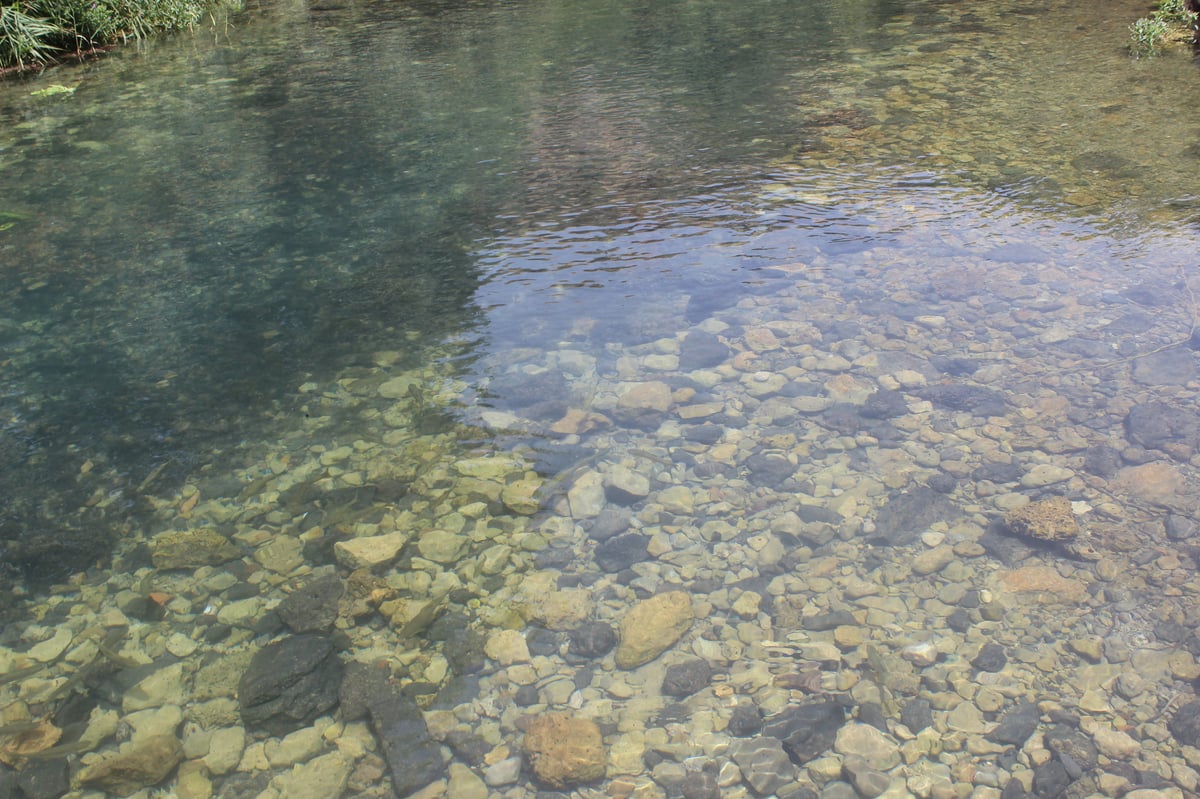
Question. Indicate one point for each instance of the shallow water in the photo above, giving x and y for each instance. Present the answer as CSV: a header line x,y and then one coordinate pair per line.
x,y
340,271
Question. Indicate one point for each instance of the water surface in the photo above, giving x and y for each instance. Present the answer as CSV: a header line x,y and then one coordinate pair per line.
x,y
222,252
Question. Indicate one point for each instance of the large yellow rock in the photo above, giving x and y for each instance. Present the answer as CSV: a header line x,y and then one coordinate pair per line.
x,y
652,627
565,751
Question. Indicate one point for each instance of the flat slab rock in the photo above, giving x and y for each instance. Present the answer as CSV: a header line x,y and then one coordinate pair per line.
x,y
564,750
289,683
413,757
907,515
806,731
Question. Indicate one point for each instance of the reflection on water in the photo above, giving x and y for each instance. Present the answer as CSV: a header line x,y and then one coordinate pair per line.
x,y
708,373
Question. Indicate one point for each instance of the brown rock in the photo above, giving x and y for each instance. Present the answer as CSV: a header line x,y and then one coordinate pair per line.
x,y
652,626
643,404
1045,520
1046,584
1159,483
134,767
565,751
190,549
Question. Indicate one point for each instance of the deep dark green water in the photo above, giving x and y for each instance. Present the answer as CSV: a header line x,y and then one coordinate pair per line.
x,y
207,223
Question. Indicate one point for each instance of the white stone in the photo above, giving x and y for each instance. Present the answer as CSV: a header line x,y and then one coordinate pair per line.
x,y
319,778
507,647
52,647
586,496
1116,744
369,551
293,748
506,772
155,722
225,749
1045,474
465,783
162,687
442,546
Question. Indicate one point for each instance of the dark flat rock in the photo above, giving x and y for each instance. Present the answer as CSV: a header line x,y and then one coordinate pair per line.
x,y
907,515
1185,724
592,639
806,730
700,350
917,714
1016,725
823,622
1157,425
361,684
1171,367
991,657
289,683
313,607
686,678
413,757
622,551
962,397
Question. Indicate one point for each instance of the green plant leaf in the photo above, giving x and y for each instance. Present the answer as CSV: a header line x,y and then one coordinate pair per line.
x,y
52,90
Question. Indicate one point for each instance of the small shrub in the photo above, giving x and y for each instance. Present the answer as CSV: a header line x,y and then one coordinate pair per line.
x,y
25,38
31,31
1170,22
1145,35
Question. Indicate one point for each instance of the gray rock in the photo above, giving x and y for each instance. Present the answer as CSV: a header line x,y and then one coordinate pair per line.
x,y
917,714
592,639
907,515
1185,725
414,758
1180,527
769,469
1016,725
362,683
461,643
972,399
701,784
806,730
998,472
1171,367
823,622
1102,460
622,551
1156,425
609,522
884,404
1050,779
745,720
624,486
867,781
289,683
991,658
867,745
1075,750
313,607
764,764
700,350
43,779
686,678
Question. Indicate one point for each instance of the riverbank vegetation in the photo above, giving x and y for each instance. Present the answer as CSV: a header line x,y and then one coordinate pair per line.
x,y
35,33
1173,22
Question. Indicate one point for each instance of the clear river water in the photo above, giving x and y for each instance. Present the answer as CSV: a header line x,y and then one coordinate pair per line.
x,y
869,327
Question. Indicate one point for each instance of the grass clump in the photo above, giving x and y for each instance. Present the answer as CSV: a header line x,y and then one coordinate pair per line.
x,y
1172,22
34,33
